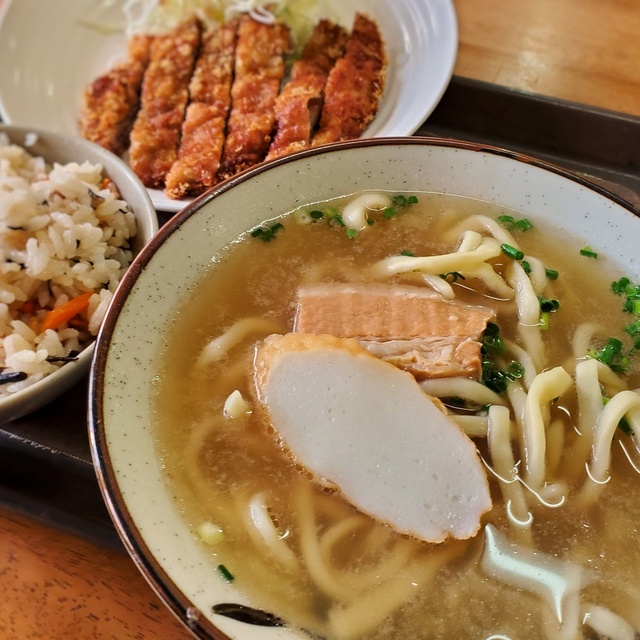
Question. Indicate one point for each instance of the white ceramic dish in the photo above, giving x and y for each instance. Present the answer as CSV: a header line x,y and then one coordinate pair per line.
x,y
64,148
44,70
121,416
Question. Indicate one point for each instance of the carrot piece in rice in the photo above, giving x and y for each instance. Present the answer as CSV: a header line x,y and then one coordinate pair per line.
x,y
65,312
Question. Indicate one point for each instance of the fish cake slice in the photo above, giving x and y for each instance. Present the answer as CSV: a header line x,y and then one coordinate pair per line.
x,y
362,425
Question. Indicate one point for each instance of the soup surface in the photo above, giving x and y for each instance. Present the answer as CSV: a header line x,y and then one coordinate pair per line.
x,y
555,556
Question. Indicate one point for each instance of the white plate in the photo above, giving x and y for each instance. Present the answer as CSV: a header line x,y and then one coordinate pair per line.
x,y
49,54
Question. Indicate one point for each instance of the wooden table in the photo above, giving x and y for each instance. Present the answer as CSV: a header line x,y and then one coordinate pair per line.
x,y
55,586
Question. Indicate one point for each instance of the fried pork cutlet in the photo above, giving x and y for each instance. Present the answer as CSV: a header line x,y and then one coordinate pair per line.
x,y
203,130
110,102
259,69
354,86
165,91
298,105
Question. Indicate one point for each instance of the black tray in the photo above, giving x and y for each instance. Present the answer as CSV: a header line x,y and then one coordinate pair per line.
x,y
45,462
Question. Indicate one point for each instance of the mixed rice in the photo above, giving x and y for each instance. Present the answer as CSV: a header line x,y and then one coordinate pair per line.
x,y
64,244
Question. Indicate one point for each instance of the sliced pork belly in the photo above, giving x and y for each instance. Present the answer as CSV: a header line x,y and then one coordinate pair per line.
x,y
355,85
111,101
203,129
165,91
365,426
411,327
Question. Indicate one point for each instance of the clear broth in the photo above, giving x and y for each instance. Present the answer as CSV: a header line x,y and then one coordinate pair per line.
x,y
213,465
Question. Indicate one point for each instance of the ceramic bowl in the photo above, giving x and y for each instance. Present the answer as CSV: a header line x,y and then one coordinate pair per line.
x,y
130,472
55,147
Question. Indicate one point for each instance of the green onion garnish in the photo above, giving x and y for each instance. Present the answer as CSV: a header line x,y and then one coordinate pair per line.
x,y
515,369
491,340
544,321
412,200
351,233
512,252
406,252
389,212
400,201
588,252
509,222
526,266
316,215
226,574
630,291
610,352
452,276
266,234
552,274
548,305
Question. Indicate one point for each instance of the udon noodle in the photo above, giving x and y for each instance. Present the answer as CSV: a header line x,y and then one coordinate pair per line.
x,y
554,425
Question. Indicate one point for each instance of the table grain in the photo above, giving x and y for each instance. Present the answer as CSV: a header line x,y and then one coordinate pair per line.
x,y
55,586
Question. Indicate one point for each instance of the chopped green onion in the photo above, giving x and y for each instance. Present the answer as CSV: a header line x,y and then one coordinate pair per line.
x,y
544,321
351,233
526,266
512,252
389,213
552,274
633,329
400,201
226,574
548,305
331,212
509,222
620,286
497,380
316,214
626,427
515,369
452,276
266,234
588,252
337,218
412,200
406,252
624,423
609,352
523,225
491,340
631,292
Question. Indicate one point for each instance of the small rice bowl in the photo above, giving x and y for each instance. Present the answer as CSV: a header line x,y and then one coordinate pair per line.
x,y
65,241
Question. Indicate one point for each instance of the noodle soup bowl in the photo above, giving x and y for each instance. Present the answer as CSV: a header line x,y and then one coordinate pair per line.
x,y
133,472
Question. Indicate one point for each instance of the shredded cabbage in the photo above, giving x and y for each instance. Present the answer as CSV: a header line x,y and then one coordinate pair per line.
x,y
154,16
